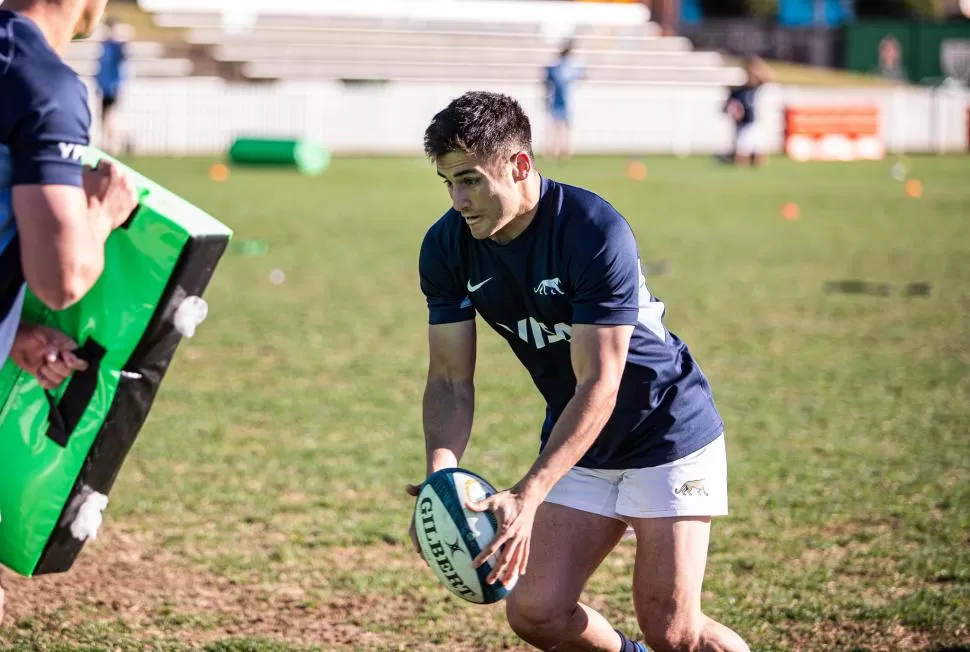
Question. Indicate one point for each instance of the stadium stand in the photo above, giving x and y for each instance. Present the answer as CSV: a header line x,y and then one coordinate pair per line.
x,y
424,40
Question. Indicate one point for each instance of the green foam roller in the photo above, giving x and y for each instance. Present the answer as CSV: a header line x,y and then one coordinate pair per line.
x,y
308,157
61,451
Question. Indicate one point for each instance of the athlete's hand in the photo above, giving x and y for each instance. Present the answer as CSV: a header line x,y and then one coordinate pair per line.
x,y
111,188
515,513
46,353
414,490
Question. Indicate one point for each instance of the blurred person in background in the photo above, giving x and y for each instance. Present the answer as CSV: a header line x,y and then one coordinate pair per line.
x,y
741,108
891,59
111,78
560,77
55,214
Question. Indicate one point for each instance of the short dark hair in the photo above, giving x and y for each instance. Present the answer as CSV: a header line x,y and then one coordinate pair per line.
x,y
479,123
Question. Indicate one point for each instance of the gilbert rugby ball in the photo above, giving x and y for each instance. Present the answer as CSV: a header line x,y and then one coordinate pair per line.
x,y
451,536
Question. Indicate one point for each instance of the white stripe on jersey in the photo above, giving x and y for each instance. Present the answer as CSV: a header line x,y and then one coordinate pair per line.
x,y
651,312
8,326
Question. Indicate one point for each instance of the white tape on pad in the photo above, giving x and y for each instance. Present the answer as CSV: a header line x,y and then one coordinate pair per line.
x,y
88,520
190,313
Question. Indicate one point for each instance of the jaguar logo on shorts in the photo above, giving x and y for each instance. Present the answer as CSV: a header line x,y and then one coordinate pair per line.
x,y
692,488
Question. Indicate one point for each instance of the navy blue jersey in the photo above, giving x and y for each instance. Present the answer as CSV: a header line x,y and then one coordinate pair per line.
x,y
576,263
44,123
746,95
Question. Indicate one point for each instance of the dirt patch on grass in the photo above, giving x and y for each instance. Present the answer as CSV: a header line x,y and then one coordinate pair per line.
x,y
834,542
847,635
126,577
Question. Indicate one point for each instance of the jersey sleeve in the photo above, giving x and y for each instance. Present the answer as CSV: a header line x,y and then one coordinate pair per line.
x,y
448,301
605,268
51,136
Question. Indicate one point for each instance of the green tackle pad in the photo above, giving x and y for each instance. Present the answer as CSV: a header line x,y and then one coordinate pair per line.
x,y
61,451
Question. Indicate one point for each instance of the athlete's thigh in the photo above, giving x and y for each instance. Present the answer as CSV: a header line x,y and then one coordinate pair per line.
x,y
670,509
671,559
567,546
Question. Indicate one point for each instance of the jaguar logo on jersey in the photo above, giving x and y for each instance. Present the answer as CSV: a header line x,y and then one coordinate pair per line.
x,y
690,487
549,286
534,331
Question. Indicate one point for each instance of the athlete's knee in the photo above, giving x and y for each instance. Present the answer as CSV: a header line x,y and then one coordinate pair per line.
x,y
671,639
538,618
669,628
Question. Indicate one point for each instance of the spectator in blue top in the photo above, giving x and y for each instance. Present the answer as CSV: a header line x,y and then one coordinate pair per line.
x,y
559,80
111,77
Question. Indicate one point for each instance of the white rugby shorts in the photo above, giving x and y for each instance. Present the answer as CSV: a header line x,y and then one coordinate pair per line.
x,y
748,140
695,485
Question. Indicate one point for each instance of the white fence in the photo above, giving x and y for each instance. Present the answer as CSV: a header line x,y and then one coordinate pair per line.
x,y
203,115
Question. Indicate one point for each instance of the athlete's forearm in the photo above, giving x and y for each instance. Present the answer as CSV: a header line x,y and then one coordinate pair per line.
x,y
448,409
577,428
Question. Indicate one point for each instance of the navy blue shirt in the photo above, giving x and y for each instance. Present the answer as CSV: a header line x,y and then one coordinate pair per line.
x,y
44,124
44,114
746,95
576,263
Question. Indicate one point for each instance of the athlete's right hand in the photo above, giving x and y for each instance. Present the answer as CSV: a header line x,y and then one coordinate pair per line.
x,y
110,188
45,353
414,490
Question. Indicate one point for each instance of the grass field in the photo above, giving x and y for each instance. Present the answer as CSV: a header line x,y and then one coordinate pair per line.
x,y
262,507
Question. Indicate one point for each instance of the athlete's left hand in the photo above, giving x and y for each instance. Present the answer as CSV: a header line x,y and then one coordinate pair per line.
x,y
515,513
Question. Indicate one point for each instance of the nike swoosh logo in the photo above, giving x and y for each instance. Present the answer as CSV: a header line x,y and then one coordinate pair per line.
x,y
473,288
